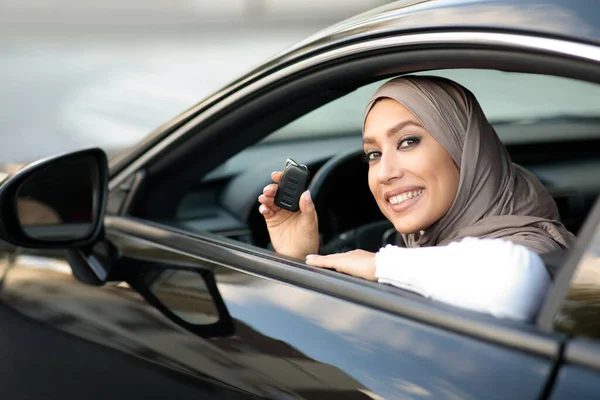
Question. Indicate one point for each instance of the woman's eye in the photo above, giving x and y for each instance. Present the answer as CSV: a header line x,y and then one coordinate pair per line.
x,y
408,142
371,156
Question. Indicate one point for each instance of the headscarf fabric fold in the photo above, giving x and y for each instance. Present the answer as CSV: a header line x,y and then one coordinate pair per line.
x,y
495,198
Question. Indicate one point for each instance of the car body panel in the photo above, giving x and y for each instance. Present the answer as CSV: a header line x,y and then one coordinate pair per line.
x,y
576,382
552,18
287,339
41,362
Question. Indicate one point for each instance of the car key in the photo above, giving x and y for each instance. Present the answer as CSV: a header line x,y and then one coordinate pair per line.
x,y
291,186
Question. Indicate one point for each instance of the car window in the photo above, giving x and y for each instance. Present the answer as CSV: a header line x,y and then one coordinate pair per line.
x,y
506,98
524,108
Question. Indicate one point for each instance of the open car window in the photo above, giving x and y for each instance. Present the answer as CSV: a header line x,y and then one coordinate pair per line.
x,y
535,115
551,126
546,121
547,132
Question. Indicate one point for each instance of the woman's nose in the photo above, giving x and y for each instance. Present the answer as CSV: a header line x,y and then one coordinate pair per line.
x,y
389,168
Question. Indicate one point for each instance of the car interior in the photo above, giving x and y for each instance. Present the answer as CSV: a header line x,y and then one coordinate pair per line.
x,y
542,108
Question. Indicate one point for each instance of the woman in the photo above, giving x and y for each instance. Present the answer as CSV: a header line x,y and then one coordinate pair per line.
x,y
473,222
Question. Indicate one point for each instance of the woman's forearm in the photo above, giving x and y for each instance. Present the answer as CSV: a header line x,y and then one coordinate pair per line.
x,y
492,276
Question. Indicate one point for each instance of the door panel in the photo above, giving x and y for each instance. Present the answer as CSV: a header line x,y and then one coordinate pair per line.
x,y
579,375
103,349
576,382
286,341
386,355
39,362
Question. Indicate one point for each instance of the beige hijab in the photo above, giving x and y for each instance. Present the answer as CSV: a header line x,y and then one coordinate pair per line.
x,y
495,198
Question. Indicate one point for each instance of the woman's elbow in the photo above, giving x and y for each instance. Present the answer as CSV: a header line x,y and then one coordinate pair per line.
x,y
526,285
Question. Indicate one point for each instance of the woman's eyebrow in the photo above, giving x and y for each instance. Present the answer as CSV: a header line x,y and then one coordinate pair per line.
x,y
393,130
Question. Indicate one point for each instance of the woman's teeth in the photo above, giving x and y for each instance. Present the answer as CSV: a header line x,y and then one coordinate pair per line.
x,y
401,198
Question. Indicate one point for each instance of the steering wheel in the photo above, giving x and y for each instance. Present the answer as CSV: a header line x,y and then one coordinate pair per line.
x,y
349,217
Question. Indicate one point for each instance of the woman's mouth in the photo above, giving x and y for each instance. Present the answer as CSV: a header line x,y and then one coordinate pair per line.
x,y
401,198
403,201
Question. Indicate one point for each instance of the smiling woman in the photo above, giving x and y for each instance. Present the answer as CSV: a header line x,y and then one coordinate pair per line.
x,y
430,175
441,176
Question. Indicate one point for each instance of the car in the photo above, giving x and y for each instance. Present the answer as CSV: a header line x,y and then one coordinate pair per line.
x,y
151,275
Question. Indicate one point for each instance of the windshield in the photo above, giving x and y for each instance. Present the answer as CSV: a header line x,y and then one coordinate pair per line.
x,y
506,98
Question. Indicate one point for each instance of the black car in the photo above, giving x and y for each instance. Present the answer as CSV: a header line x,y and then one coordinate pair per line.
x,y
152,276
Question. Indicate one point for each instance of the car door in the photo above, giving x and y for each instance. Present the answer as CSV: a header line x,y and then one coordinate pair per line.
x,y
213,317
291,332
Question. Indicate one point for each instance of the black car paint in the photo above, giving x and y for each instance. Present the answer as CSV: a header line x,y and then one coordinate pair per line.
x,y
42,362
296,342
576,382
287,339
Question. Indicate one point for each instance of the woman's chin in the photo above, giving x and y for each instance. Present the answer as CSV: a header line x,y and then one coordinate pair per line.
x,y
406,228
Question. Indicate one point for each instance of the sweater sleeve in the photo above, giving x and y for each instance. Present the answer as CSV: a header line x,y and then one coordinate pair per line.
x,y
492,276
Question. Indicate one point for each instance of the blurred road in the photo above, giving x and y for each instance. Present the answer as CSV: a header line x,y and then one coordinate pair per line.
x,y
75,74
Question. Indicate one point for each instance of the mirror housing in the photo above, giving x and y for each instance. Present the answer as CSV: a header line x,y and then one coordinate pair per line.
x,y
58,202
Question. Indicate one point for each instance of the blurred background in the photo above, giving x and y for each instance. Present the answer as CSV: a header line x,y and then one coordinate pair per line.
x,y
78,73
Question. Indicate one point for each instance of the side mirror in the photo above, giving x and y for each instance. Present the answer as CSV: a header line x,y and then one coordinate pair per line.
x,y
57,202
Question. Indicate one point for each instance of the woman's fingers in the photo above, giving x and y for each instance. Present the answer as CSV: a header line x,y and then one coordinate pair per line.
x,y
358,263
267,207
270,190
276,176
266,211
267,198
328,261
269,202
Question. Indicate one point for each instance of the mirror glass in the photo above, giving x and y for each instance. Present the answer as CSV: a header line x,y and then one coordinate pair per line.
x,y
186,295
57,202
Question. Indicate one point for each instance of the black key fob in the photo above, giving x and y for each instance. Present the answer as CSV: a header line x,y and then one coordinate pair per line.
x,y
293,183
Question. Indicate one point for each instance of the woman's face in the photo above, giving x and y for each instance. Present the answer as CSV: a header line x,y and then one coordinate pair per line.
x,y
412,177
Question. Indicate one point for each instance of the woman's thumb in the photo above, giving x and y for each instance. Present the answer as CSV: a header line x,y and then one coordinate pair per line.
x,y
306,204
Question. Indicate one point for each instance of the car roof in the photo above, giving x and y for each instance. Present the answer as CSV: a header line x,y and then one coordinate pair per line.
x,y
575,19
568,19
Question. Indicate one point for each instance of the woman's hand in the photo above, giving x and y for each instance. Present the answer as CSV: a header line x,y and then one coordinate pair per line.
x,y
357,263
294,234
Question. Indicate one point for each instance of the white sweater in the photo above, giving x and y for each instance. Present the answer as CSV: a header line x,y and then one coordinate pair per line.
x,y
492,276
